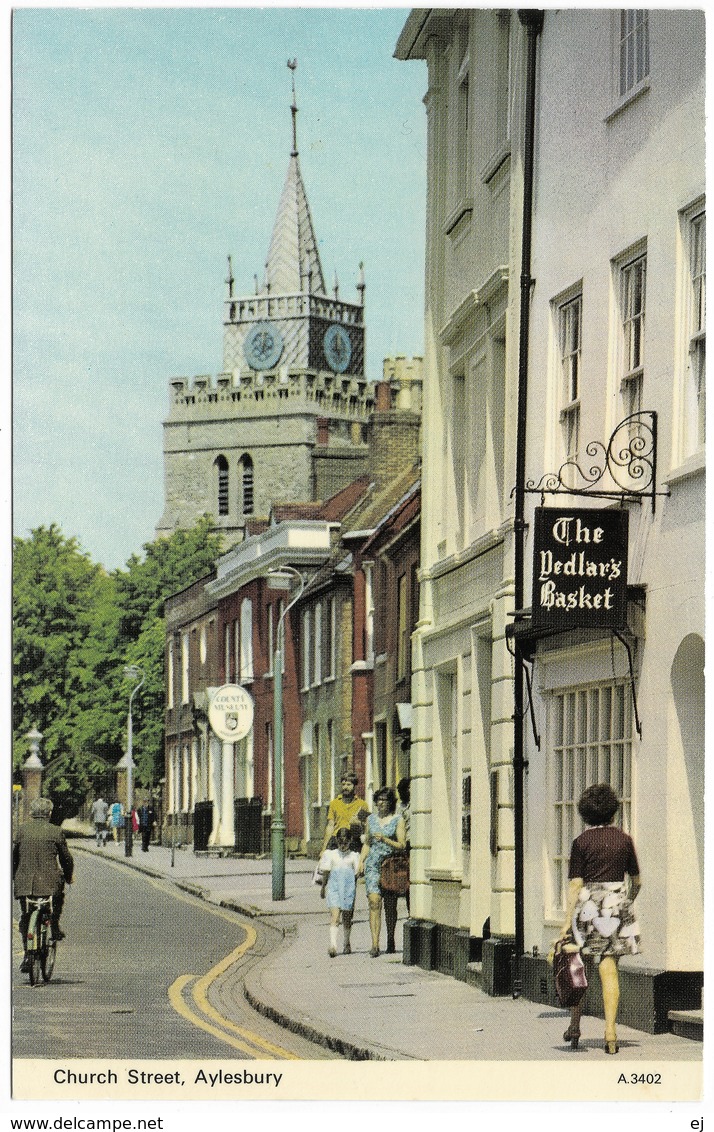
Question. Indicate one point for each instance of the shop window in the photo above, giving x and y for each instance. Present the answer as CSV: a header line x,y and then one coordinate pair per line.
x,y
590,741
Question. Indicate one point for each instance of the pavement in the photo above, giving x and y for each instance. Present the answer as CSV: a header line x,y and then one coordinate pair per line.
x,y
374,1009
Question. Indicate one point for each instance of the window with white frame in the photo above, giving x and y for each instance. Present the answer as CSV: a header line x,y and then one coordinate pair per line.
x,y
402,628
236,650
202,645
570,316
447,832
633,278
503,78
317,651
590,741
634,49
369,611
695,393
184,667
332,755
330,636
170,676
462,122
306,649
317,755
246,639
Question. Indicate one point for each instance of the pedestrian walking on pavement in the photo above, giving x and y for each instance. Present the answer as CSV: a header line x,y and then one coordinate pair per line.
x,y
116,819
98,814
346,811
384,836
339,868
147,821
599,916
404,793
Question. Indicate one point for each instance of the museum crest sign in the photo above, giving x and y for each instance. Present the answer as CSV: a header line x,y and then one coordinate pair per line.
x,y
579,568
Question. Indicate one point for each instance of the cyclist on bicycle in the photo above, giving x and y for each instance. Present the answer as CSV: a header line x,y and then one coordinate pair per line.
x,y
41,864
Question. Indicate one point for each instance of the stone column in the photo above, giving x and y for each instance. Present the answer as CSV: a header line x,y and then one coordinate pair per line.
x,y
228,835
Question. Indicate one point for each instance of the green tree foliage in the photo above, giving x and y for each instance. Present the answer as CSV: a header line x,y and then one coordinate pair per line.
x,y
65,620
76,627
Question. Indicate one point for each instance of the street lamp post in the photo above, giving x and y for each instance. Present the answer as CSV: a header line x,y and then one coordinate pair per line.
x,y
132,672
280,579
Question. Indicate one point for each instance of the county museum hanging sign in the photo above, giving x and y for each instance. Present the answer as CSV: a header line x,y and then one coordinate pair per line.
x,y
231,713
579,568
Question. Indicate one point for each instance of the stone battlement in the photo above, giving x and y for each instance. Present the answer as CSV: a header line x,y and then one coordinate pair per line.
x,y
264,306
247,391
405,377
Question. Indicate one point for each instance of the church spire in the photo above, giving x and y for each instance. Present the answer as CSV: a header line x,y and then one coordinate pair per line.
x,y
293,256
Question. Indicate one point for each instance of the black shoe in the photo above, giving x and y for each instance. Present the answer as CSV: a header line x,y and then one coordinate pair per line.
x,y
57,934
25,965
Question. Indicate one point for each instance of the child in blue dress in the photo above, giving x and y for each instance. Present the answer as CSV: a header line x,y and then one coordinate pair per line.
x,y
339,869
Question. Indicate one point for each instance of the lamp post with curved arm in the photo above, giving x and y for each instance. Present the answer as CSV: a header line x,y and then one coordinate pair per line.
x,y
132,672
281,578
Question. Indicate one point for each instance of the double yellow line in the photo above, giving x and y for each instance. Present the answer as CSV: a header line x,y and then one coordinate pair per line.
x,y
252,1044
220,1027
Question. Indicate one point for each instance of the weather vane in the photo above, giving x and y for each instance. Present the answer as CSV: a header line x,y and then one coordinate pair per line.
x,y
292,64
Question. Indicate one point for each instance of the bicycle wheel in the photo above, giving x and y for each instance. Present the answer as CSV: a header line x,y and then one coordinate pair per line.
x,y
48,954
33,953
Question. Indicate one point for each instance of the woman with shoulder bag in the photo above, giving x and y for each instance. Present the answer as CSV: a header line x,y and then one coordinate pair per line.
x,y
385,836
599,915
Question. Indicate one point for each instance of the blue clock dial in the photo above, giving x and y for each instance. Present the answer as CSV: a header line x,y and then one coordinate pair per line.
x,y
263,346
338,348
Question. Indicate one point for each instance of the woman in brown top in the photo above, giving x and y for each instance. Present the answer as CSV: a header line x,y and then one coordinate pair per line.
x,y
599,908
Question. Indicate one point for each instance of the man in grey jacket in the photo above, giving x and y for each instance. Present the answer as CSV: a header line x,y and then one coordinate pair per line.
x,y
41,865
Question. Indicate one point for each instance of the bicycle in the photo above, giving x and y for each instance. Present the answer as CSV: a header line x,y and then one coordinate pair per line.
x,y
41,946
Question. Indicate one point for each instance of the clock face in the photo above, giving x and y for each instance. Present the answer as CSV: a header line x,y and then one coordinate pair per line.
x,y
263,346
338,348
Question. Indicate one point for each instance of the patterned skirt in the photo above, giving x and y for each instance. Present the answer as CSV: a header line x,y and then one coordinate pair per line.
x,y
604,922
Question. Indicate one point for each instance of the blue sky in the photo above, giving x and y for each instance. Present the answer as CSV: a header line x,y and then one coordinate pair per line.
x,y
148,145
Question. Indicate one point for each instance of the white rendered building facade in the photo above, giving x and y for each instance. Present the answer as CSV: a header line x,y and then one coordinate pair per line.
x,y
615,320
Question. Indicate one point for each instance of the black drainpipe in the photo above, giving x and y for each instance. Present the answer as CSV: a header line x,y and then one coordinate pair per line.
x,y
532,21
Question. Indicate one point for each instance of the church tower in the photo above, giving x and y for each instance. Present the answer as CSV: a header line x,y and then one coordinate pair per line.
x,y
287,420
291,320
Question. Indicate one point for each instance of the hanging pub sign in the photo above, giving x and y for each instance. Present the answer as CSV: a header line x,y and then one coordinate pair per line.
x,y
579,568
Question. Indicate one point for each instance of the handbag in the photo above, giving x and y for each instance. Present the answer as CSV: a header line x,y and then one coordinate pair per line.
x,y
394,874
318,877
569,973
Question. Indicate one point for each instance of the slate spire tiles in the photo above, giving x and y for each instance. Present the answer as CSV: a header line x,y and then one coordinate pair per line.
x,y
293,257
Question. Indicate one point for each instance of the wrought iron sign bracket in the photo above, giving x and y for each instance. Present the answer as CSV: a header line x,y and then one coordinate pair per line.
x,y
625,468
